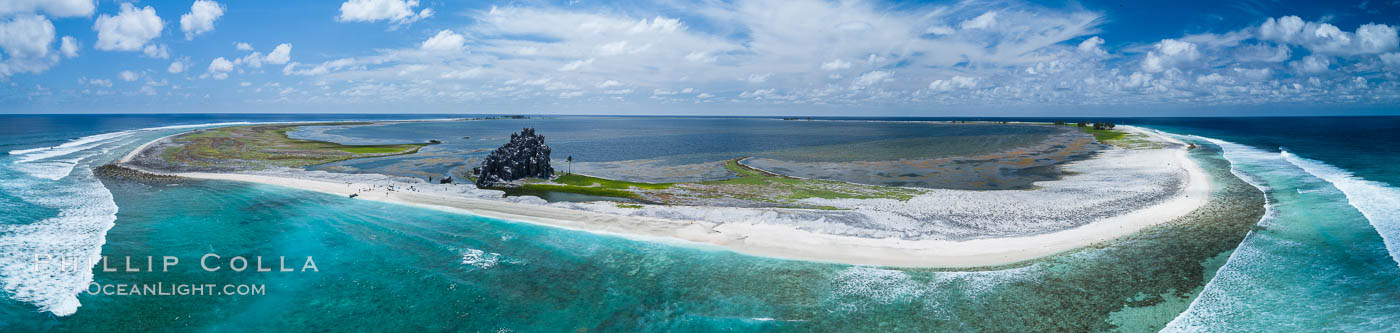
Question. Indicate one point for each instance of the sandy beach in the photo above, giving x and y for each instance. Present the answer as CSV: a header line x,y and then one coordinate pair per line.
x,y
777,240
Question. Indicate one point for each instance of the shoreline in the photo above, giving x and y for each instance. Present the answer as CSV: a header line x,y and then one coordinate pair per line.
x,y
780,241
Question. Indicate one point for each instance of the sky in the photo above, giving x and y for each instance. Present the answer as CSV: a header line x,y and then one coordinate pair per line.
x,y
740,57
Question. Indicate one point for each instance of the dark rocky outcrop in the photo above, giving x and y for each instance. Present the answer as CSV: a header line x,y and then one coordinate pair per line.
x,y
525,155
113,171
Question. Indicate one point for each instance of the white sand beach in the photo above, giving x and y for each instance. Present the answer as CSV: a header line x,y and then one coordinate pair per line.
x,y
768,239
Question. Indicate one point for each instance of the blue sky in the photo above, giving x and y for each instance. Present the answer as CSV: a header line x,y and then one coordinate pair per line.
x,y
760,57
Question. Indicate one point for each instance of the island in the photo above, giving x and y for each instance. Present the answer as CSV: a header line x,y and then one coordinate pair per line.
x,y
1105,182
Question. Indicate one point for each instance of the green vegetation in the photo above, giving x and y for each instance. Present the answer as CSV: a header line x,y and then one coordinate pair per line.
x,y
627,205
589,181
372,150
748,184
588,185
758,185
258,146
1104,135
1102,132
594,191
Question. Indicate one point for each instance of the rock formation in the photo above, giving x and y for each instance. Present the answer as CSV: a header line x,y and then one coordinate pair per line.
x,y
525,155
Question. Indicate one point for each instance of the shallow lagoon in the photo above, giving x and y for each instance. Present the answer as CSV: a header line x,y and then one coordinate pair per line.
x,y
691,149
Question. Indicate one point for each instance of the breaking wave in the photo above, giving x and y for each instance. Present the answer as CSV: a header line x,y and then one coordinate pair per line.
x,y
47,260
1378,202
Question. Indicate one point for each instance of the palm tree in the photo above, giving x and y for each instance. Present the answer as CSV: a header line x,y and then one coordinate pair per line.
x,y
571,163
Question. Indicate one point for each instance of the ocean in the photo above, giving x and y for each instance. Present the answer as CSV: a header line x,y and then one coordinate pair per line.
x,y
1302,237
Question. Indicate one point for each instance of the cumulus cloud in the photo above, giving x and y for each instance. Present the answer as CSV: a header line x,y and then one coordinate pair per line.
x,y
836,64
576,65
445,40
96,82
69,47
176,67
280,54
25,40
26,36
158,51
872,78
130,30
1168,54
201,18
396,11
55,8
1092,46
818,52
128,76
955,82
1326,38
241,46
1312,64
219,68
1391,59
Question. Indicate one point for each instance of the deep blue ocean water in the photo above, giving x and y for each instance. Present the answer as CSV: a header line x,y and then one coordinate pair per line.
x,y
1318,259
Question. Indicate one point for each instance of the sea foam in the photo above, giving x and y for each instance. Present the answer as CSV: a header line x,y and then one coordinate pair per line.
x,y
60,178
1378,202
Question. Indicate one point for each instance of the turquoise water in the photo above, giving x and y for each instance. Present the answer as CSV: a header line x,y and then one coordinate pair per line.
x,y
1315,261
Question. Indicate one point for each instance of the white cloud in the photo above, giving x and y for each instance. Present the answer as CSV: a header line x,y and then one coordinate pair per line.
x,y
158,51
758,78
280,54
760,94
1256,74
940,30
245,84
201,18
609,84
69,47
836,64
176,67
872,78
1093,46
1212,79
128,76
462,74
1263,53
1312,64
576,65
130,30
984,21
26,36
241,46
445,40
95,82
700,57
956,82
396,11
1391,59
1168,54
1329,39
25,40
813,52
55,8
219,68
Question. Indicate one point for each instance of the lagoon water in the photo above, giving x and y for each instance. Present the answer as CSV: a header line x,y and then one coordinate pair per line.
x,y
1316,259
668,149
